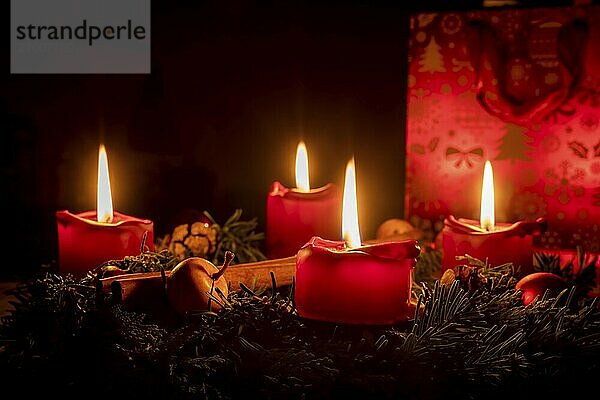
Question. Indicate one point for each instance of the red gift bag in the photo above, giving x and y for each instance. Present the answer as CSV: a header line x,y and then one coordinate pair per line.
x,y
520,87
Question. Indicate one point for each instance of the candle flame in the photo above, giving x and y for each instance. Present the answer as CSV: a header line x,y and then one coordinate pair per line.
x,y
302,181
350,229
487,219
104,207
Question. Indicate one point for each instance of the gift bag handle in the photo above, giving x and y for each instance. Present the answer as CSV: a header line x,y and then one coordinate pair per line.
x,y
487,45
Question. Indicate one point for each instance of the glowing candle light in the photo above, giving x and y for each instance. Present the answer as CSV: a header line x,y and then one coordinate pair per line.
x,y
350,229
302,179
104,206
487,218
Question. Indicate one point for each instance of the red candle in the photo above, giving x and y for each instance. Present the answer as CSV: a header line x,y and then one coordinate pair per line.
x,y
295,215
346,282
498,243
88,239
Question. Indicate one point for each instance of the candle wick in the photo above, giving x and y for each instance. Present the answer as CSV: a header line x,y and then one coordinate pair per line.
x,y
347,241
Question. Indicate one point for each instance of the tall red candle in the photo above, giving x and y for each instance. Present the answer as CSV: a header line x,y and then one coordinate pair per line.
x,y
497,243
294,215
88,239
346,282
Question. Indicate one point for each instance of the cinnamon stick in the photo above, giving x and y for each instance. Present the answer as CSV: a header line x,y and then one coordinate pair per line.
x,y
107,282
258,274
134,287
125,289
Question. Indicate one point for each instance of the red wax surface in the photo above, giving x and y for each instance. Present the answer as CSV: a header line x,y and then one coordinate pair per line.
x,y
366,285
84,243
507,243
293,217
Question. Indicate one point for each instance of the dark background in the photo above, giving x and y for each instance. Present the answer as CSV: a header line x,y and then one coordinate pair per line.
x,y
234,87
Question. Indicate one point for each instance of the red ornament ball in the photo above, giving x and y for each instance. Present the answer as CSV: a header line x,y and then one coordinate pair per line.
x,y
536,284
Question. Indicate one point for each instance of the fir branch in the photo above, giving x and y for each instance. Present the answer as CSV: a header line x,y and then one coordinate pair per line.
x,y
239,237
462,343
579,271
146,261
137,335
428,267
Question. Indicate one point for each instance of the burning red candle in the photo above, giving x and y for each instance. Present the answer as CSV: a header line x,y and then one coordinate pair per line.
x,y
295,215
498,243
346,282
88,239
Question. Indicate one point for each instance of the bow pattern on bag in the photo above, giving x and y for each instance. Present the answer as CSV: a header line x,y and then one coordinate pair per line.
x,y
467,157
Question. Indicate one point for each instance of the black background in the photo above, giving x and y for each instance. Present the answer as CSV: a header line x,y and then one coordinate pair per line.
x,y
234,87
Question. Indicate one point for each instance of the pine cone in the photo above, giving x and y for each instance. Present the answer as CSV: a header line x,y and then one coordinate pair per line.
x,y
448,277
469,277
196,240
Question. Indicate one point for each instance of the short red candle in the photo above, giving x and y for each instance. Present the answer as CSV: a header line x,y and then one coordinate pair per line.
x,y
293,217
89,239
485,240
351,283
506,243
365,285
84,243
296,215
